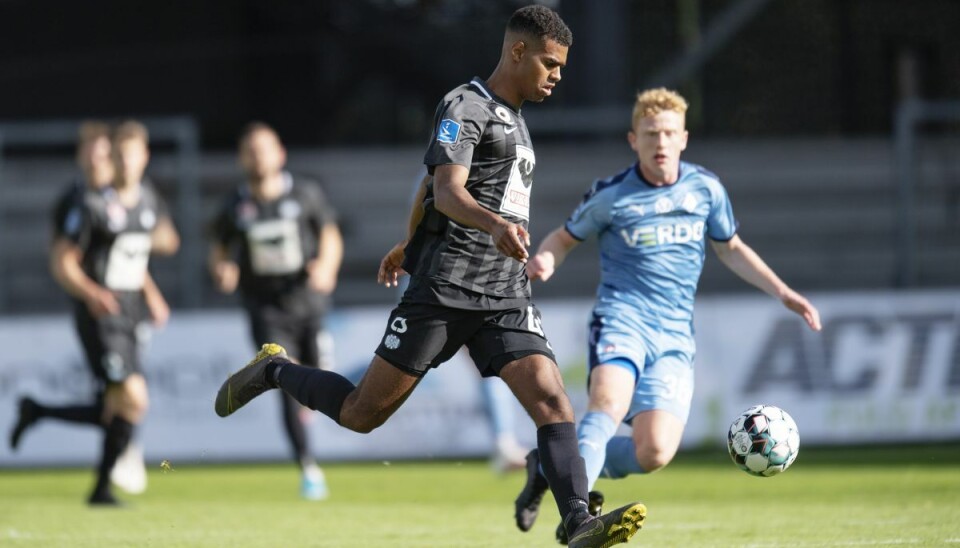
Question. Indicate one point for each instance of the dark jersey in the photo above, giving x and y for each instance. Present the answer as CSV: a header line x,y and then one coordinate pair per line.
x,y
66,215
274,241
476,129
115,239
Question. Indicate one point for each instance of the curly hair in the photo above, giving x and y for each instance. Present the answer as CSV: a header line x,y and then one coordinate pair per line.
x,y
542,22
654,101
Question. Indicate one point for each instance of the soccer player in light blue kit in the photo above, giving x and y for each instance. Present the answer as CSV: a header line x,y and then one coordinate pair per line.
x,y
652,221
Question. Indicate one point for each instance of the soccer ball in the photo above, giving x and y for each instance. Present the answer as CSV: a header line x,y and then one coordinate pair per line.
x,y
763,440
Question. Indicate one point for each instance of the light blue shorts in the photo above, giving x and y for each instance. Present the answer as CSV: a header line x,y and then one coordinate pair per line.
x,y
661,360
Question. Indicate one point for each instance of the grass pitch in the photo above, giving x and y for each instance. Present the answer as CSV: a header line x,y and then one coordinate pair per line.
x,y
864,497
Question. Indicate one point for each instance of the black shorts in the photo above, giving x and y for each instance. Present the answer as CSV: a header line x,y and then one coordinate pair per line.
x,y
421,336
112,344
301,335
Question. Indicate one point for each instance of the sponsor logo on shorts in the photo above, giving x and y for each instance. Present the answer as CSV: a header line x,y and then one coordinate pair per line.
x,y
399,324
391,341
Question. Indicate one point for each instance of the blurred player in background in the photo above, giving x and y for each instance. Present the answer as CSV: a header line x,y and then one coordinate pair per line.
x,y
465,252
100,255
651,220
277,239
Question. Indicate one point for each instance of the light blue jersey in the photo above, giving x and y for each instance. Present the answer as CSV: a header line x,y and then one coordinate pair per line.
x,y
652,248
652,239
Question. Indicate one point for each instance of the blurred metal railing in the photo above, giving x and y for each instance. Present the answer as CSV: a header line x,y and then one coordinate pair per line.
x,y
908,117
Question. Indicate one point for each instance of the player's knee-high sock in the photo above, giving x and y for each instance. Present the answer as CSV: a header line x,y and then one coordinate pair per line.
x,y
296,433
82,414
563,467
596,429
322,391
621,458
115,440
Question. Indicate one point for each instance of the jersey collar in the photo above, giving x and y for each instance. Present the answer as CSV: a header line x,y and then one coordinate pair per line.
x,y
639,175
481,85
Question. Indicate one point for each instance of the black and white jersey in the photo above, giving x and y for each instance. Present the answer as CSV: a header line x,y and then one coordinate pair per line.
x,y
273,241
115,239
476,129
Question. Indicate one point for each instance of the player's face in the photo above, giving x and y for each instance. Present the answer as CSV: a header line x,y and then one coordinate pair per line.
x,y
658,141
262,155
540,69
94,159
130,158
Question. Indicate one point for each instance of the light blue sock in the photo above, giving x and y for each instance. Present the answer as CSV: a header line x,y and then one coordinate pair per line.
x,y
621,458
594,432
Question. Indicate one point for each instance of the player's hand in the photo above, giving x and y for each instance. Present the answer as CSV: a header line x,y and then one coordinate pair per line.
x,y
391,267
102,302
319,279
541,266
226,276
512,240
797,303
159,309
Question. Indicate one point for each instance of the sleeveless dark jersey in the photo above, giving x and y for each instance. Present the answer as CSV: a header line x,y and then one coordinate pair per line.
x,y
476,129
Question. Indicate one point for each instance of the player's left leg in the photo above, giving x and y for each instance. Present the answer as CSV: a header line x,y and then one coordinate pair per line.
x,y
658,414
653,444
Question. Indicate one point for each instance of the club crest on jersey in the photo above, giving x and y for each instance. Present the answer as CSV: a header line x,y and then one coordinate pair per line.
x,y
148,219
689,203
448,131
289,209
116,217
663,205
503,115
246,213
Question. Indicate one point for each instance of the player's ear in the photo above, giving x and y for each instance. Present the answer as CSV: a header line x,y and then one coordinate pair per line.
x,y
517,50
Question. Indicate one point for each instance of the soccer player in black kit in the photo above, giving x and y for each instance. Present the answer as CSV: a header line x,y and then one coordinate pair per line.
x,y
466,253
276,237
101,260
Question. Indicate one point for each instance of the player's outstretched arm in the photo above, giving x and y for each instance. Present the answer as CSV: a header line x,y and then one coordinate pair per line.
x,y
744,262
454,201
551,254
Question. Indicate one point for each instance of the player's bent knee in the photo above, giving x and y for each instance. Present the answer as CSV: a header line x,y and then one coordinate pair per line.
x,y
652,458
361,423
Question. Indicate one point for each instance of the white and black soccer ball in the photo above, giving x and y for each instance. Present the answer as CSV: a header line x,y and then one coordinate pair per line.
x,y
763,440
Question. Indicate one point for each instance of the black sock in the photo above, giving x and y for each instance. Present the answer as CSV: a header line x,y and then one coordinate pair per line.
x,y
565,471
296,433
83,414
322,391
115,440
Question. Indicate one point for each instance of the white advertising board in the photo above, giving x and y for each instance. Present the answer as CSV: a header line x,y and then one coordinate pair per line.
x,y
885,368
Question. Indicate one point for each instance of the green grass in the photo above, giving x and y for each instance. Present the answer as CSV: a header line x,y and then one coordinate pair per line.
x,y
860,497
